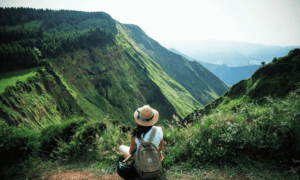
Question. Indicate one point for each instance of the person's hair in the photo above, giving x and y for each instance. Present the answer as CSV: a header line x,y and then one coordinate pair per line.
x,y
139,130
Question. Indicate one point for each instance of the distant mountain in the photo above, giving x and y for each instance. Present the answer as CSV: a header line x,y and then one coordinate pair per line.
x,y
276,79
196,79
231,53
230,75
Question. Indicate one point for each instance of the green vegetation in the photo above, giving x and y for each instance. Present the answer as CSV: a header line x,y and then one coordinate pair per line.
x,y
203,85
39,100
71,110
48,34
11,78
256,141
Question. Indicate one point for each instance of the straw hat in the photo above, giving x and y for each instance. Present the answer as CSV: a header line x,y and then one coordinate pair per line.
x,y
146,116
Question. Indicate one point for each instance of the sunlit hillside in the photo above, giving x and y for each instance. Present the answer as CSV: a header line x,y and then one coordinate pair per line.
x,y
71,81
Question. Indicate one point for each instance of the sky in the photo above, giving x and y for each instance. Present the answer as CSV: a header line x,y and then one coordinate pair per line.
x,y
269,22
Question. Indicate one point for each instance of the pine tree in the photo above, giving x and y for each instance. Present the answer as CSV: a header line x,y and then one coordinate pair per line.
x,y
40,33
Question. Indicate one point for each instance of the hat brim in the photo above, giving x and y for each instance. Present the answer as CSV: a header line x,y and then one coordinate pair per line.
x,y
149,123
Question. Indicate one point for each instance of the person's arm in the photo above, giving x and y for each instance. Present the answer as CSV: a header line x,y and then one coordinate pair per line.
x,y
132,144
161,145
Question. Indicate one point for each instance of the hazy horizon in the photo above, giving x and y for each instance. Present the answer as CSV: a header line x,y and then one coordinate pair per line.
x,y
260,22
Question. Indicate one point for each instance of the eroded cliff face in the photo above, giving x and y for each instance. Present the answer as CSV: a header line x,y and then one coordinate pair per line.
x,y
40,100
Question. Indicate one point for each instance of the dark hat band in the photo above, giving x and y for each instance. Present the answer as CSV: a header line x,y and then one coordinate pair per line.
x,y
146,120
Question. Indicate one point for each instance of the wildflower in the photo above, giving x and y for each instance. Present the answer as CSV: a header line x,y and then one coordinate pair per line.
x,y
209,141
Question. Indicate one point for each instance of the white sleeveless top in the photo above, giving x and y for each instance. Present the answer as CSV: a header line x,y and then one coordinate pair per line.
x,y
156,140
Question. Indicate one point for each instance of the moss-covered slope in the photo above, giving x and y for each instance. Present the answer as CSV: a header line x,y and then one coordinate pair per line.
x,y
37,101
200,82
103,67
111,78
276,79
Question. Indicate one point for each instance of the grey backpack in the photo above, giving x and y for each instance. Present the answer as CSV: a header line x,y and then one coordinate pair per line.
x,y
148,160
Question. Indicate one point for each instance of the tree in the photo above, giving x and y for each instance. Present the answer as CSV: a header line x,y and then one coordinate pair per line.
x,y
40,33
263,63
38,52
28,57
44,50
34,58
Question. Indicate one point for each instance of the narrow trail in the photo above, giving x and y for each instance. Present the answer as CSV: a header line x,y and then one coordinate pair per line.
x,y
63,173
79,175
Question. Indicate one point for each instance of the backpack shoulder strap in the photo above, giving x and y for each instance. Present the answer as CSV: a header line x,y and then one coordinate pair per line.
x,y
152,134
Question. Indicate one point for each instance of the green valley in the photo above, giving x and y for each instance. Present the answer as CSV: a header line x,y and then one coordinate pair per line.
x,y
71,81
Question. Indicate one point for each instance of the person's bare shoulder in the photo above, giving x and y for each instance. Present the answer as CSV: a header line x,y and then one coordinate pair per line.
x,y
130,135
161,127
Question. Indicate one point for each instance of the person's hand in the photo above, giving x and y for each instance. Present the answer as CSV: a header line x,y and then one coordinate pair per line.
x,y
161,155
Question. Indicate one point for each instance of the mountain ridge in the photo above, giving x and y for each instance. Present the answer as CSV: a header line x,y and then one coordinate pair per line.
x,y
75,105
202,50
168,60
109,73
230,75
260,84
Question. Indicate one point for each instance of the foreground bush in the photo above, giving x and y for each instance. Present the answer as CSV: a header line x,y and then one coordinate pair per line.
x,y
251,132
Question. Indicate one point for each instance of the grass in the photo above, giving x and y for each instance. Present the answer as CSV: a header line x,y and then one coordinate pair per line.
x,y
10,78
204,150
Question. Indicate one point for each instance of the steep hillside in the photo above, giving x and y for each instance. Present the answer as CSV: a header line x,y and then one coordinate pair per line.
x,y
202,84
276,79
105,72
230,75
39,100
74,80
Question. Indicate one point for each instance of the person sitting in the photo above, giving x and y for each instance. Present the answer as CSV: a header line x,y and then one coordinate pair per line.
x,y
145,118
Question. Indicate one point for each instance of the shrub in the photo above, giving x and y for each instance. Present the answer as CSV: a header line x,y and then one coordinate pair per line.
x,y
17,144
50,135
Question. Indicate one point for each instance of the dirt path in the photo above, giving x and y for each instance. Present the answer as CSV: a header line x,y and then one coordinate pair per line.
x,y
79,175
72,174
